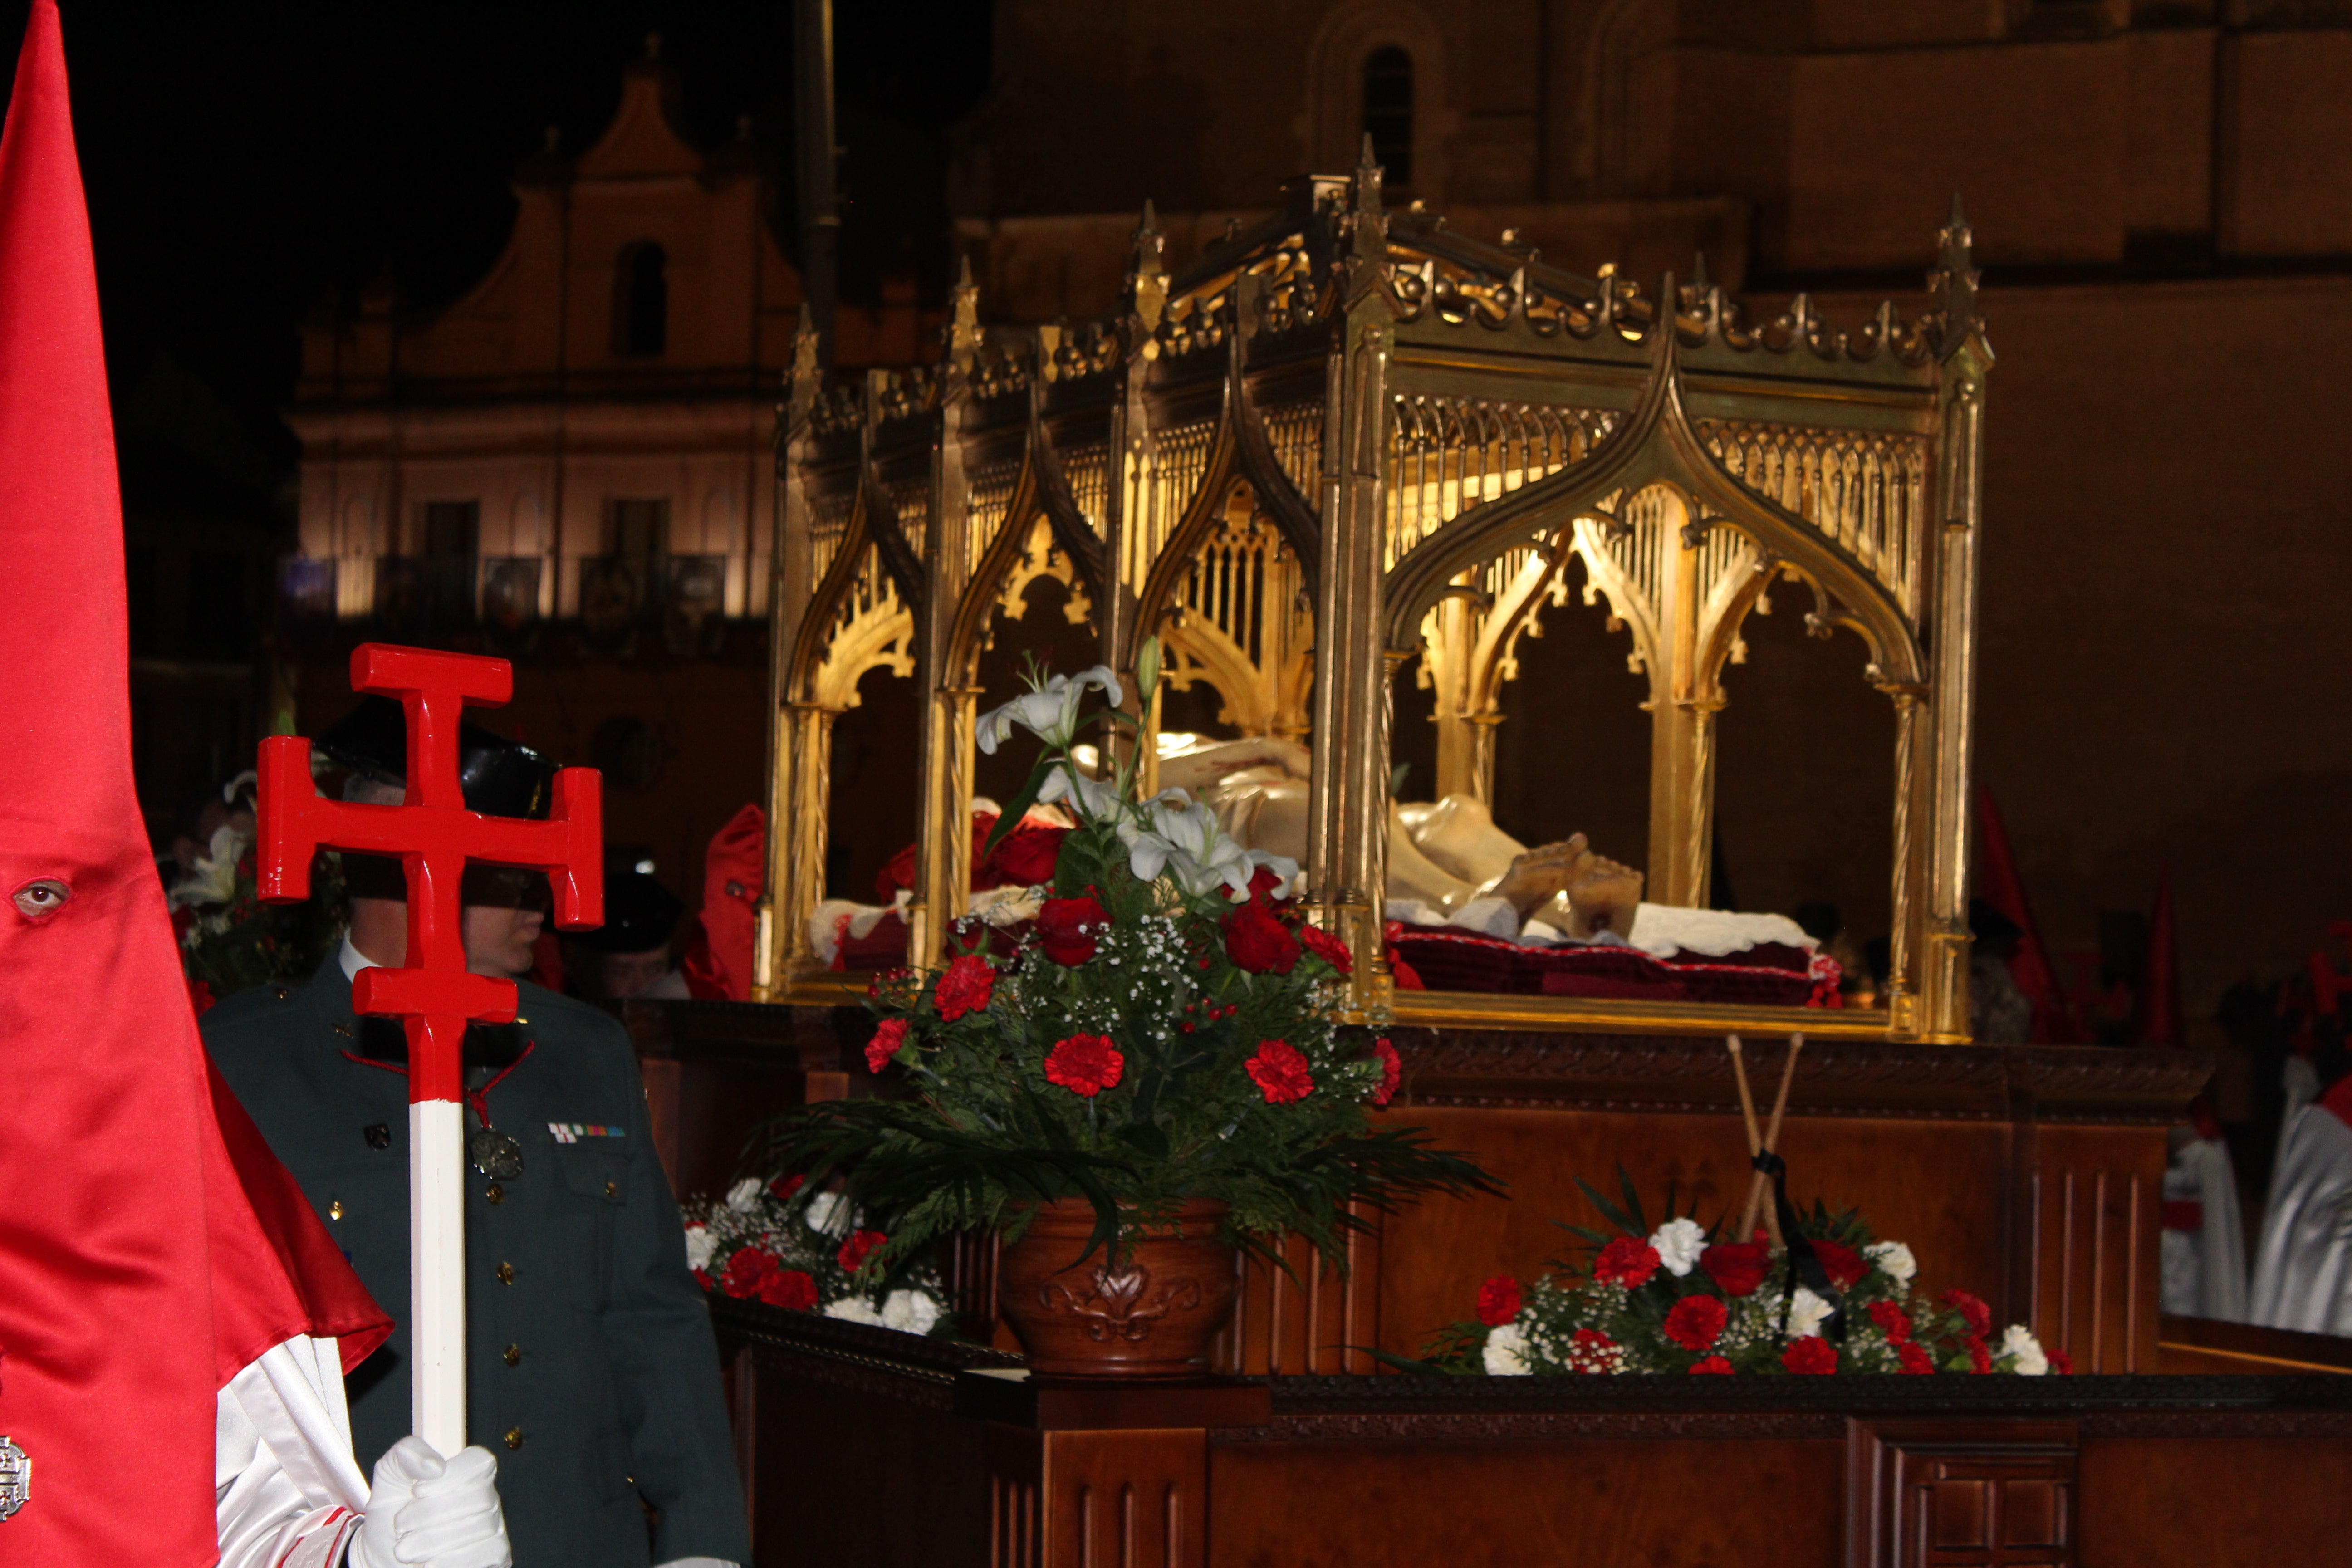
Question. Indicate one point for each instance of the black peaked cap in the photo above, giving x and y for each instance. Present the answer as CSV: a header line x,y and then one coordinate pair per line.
x,y
499,777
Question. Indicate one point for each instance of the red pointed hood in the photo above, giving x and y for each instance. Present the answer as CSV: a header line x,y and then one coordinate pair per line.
x,y
136,1275
2004,890
2155,1013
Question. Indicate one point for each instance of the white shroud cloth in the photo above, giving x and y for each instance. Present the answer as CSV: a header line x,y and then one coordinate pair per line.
x,y
289,1492
2205,1268
2303,1275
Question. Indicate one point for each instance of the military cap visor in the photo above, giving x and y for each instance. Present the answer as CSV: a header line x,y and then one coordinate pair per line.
x,y
499,777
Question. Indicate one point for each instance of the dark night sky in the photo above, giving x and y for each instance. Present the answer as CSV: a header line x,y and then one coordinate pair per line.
x,y
242,161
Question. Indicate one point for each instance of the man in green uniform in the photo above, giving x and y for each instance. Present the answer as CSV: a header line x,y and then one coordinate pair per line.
x,y
591,1366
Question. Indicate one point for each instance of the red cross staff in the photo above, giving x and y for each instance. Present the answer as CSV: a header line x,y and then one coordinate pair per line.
x,y
434,996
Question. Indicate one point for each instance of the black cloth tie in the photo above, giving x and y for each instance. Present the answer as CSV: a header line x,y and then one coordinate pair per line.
x,y
1805,1265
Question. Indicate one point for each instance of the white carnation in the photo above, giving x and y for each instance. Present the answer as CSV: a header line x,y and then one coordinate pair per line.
x,y
1894,1259
744,1195
1506,1351
1679,1242
825,1210
910,1311
2018,1341
700,1246
1807,1312
856,1309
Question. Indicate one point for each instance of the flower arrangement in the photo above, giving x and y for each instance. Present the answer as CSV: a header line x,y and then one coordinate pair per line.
x,y
1162,1032
231,939
1677,1299
791,1246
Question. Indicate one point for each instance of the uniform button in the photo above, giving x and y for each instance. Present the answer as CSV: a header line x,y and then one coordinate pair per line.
x,y
279,992
335,1209
497,1193
344,1030
611,1189
514,1437
377,1134
506,1273
514,1355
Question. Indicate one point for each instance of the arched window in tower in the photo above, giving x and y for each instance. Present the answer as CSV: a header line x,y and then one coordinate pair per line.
x,y
1388,111
641,300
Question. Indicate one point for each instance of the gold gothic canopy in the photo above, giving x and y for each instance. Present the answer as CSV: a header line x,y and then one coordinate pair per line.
x,y
1398,437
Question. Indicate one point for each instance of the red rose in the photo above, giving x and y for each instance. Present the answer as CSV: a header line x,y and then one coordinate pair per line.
x,y
884,1044
966,987
1498,1301
1813,1355
1258,942
1066,928
1625,1261
1024,858
1714,1363
789,1288
1262,882
1328,947
1973,1312
1737,1266
1084,1064
745,1270
1590,1350
858,1249
2060,1362
1914,1357
1280,1072
1979,1358
1697,1322
1892,1321
1391,1070
783,1187
1843,1265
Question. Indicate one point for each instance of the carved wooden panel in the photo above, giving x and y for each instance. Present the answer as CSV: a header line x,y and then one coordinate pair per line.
x,y
2086,1240
1098,1499
1961,1494
1312,1320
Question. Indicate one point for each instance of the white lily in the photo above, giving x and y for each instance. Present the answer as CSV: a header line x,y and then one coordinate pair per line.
x,y
1183,842
1050,712
212,879
1092,797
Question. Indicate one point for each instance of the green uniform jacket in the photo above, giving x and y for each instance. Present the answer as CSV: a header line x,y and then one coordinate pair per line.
x,y
592,1373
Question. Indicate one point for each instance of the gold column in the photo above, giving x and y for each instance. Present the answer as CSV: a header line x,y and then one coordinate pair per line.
x,y
1912,803
943,754
1683,703
793,582
806,801
1945,976
1447,659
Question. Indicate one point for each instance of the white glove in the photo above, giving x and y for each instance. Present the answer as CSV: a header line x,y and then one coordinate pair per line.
x,y
425,1512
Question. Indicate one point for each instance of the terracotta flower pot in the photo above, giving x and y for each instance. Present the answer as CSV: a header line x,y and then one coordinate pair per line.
x,y
1148,1313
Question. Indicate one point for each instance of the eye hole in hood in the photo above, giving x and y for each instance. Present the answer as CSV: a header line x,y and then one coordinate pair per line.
x,y
41,898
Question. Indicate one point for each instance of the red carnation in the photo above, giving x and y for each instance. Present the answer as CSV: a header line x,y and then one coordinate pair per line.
x,y
2060,1362
1812,1355
1714,1363
966,987
783,1187
1892,1321
1843,1265
1973,1312
1067,928
1590,1350
1498,1301
1280,1072
1328,947
1979,1358
1737,1266
789,1288
702,1278
745,1270
1025,856
858,1249
1258,942
1391,1070
1084,1064
1625,1261
1697,1322
884,1044
1914,1357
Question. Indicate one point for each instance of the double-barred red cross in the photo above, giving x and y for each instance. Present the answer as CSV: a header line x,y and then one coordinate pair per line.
x,y
433,836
